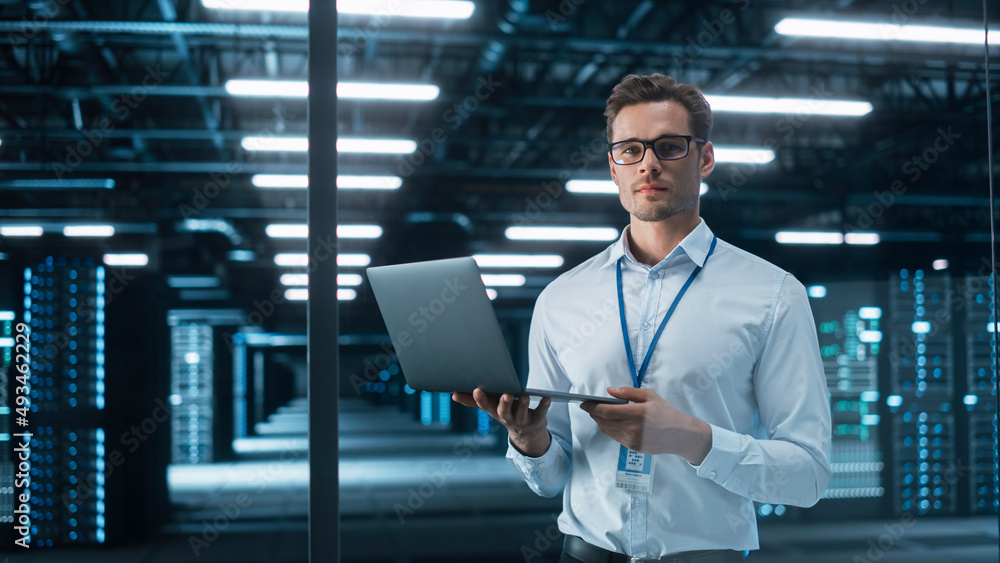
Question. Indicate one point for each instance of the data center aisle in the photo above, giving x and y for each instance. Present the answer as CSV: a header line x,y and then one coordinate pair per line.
x,y
408,490
414,493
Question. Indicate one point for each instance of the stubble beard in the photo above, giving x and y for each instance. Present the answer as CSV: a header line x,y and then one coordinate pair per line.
x,y
655,211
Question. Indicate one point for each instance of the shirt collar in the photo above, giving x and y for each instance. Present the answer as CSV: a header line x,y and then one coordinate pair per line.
x,y
696,245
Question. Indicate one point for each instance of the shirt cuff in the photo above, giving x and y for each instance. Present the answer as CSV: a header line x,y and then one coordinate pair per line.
x,y
725,455
531,466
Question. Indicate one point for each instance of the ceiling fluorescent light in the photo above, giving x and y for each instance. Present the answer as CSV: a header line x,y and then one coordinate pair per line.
x,y
295,279
804,27
606,187
281,181
444,9
297,294
349,279
88,230
441,9
359,231
518,260
353,260
378,146
126,259
303,279
369,182
287,231
302,259
804,237
561,233
21,231
345,90
816,291
59,184
268,88
301,144
861,238
742,155
269,143
343,231
299,6
503,280
301,181
491,293
591,187
376,91
798,106
301,294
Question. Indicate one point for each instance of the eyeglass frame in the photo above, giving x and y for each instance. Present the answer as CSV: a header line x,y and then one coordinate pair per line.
x,y
648,144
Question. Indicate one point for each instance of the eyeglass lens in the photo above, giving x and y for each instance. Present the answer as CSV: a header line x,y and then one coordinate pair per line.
x,y
665,148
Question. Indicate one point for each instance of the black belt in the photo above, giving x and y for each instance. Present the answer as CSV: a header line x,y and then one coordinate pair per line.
x,y
583,551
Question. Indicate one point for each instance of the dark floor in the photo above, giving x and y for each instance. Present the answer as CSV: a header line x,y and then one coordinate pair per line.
x,y
426,494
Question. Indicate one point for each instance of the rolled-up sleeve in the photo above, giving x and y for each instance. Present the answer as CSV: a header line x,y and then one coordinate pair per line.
x,y
546,475
792,464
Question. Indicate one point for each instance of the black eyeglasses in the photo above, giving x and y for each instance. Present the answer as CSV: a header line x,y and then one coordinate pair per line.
x,y
668,147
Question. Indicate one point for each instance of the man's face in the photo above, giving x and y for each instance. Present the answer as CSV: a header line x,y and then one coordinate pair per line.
x,y
654,189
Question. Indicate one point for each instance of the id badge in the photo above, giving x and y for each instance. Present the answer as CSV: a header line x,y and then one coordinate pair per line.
x,y
635,471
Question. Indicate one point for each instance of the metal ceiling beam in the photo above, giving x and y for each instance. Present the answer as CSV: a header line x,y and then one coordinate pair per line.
x,y
184,53
855,53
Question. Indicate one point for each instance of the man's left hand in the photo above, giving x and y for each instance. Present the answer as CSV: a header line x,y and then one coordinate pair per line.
x,y
651,425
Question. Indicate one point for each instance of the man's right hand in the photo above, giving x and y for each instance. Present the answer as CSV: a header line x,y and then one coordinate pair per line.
x,y
526,426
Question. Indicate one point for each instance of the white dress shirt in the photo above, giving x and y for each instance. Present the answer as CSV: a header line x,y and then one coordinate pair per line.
x,y
740,353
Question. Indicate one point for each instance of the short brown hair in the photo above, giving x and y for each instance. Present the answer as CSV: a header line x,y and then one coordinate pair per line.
x,y
635,89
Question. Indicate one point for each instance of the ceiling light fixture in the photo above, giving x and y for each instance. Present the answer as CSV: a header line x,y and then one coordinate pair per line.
x,y
518,260
21,231
440,9
88,230
345,90
503,280
804,27
137,259
562,233
798,106
301,144
299,230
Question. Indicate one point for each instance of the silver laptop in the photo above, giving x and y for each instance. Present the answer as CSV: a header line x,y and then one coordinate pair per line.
x,y
445,332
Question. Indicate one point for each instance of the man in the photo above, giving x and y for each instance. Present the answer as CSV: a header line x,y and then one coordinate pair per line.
x,y
728,405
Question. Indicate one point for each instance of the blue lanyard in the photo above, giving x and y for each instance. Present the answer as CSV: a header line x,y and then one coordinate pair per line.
x,y
637,376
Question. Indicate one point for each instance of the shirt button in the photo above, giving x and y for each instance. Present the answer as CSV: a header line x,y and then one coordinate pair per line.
x,y
637,502
645,326
654,276
712,474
